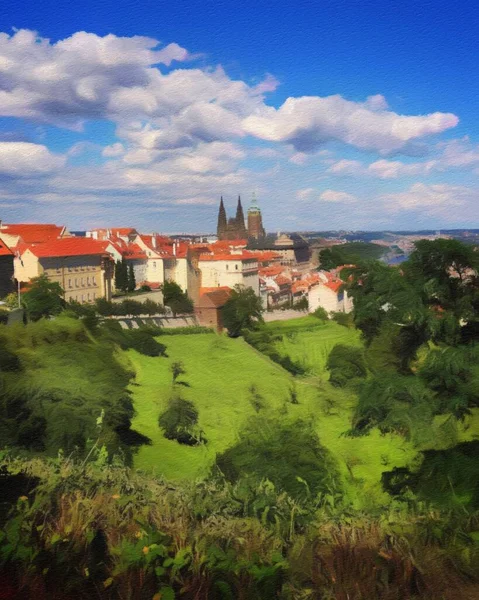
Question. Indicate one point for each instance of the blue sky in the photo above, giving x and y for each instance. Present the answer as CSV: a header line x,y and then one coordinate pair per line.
x,y
350,115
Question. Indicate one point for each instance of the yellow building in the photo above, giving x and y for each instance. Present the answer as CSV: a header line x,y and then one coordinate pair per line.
x,y
81,266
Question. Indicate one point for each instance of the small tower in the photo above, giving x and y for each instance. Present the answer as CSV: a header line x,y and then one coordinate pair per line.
x,y
222,223
255,220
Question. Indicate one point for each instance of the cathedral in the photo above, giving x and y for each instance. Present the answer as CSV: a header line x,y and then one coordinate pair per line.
x,y
235,228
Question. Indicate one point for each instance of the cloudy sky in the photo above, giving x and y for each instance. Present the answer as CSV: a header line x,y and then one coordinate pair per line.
x,y
337,114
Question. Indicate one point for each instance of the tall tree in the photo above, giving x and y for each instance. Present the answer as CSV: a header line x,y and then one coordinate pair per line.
x,y
121,275
243,310
131,283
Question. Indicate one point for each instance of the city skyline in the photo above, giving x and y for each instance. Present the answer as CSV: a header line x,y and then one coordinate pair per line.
x,y
345,116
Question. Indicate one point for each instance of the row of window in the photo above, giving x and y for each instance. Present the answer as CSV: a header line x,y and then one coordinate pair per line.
x,y
84,297
89,281
76,269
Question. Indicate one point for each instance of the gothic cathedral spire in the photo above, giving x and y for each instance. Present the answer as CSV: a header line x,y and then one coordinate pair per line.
x,y
240,214
222,224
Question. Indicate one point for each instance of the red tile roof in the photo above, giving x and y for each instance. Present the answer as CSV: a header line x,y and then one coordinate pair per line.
x,y
33,233
271,271
70,246
282,280
243,256
5,250
214,297
134,252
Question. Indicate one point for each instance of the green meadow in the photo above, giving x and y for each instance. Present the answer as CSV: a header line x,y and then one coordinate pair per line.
x,y
219,374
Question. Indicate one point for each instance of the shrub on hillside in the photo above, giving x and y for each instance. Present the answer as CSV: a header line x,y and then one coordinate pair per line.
x,y
302,304
68,380
263,340
287,454
321,314
142,340
179,422
345,364
344,319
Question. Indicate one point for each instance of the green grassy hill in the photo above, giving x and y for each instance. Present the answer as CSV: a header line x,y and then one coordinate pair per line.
x,y
220,371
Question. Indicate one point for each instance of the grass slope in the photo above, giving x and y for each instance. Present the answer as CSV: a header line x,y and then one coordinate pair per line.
x,y
311,343
220,372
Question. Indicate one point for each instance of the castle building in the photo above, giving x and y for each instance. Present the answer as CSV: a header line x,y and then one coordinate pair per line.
x,y
235,228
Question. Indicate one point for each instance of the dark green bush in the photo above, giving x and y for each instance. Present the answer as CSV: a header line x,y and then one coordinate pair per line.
x,y
345,364
179,422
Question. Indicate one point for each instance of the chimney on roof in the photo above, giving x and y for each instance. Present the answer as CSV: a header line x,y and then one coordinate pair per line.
x,y
153,240
174,248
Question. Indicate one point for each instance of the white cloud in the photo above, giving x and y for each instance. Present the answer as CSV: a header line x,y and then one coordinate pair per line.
x,y
113,150
20,159
435,199
299,158
346,167
87,76
305,193
309,122
335,196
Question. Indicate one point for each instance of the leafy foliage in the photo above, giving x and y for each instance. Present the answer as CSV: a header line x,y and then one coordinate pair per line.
x,y
121,275
142,340
44,298
321,314
289,455
179,422
345,364
176,298
395,404
131,285
68,381
347,254
243,310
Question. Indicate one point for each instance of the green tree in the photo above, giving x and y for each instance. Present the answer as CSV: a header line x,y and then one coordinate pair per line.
x,y
44,298
345,364
179,422
121,275
243,310
290,455
176,298
321,314
131,285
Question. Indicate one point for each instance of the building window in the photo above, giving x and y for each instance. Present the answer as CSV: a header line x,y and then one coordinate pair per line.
x,y
94,295
69,283
94,280
76,282
227,267
83,297
88,296
236,267
88,281
154,265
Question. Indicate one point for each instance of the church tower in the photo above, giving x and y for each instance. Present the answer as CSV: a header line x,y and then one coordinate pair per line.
x,y
222,224
255,220
240,224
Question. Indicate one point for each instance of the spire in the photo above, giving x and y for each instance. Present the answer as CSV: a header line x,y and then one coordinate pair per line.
x,y
221,228
239,213
253,207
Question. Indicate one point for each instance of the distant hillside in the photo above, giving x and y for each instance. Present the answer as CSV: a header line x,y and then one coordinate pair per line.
x,y
350,253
